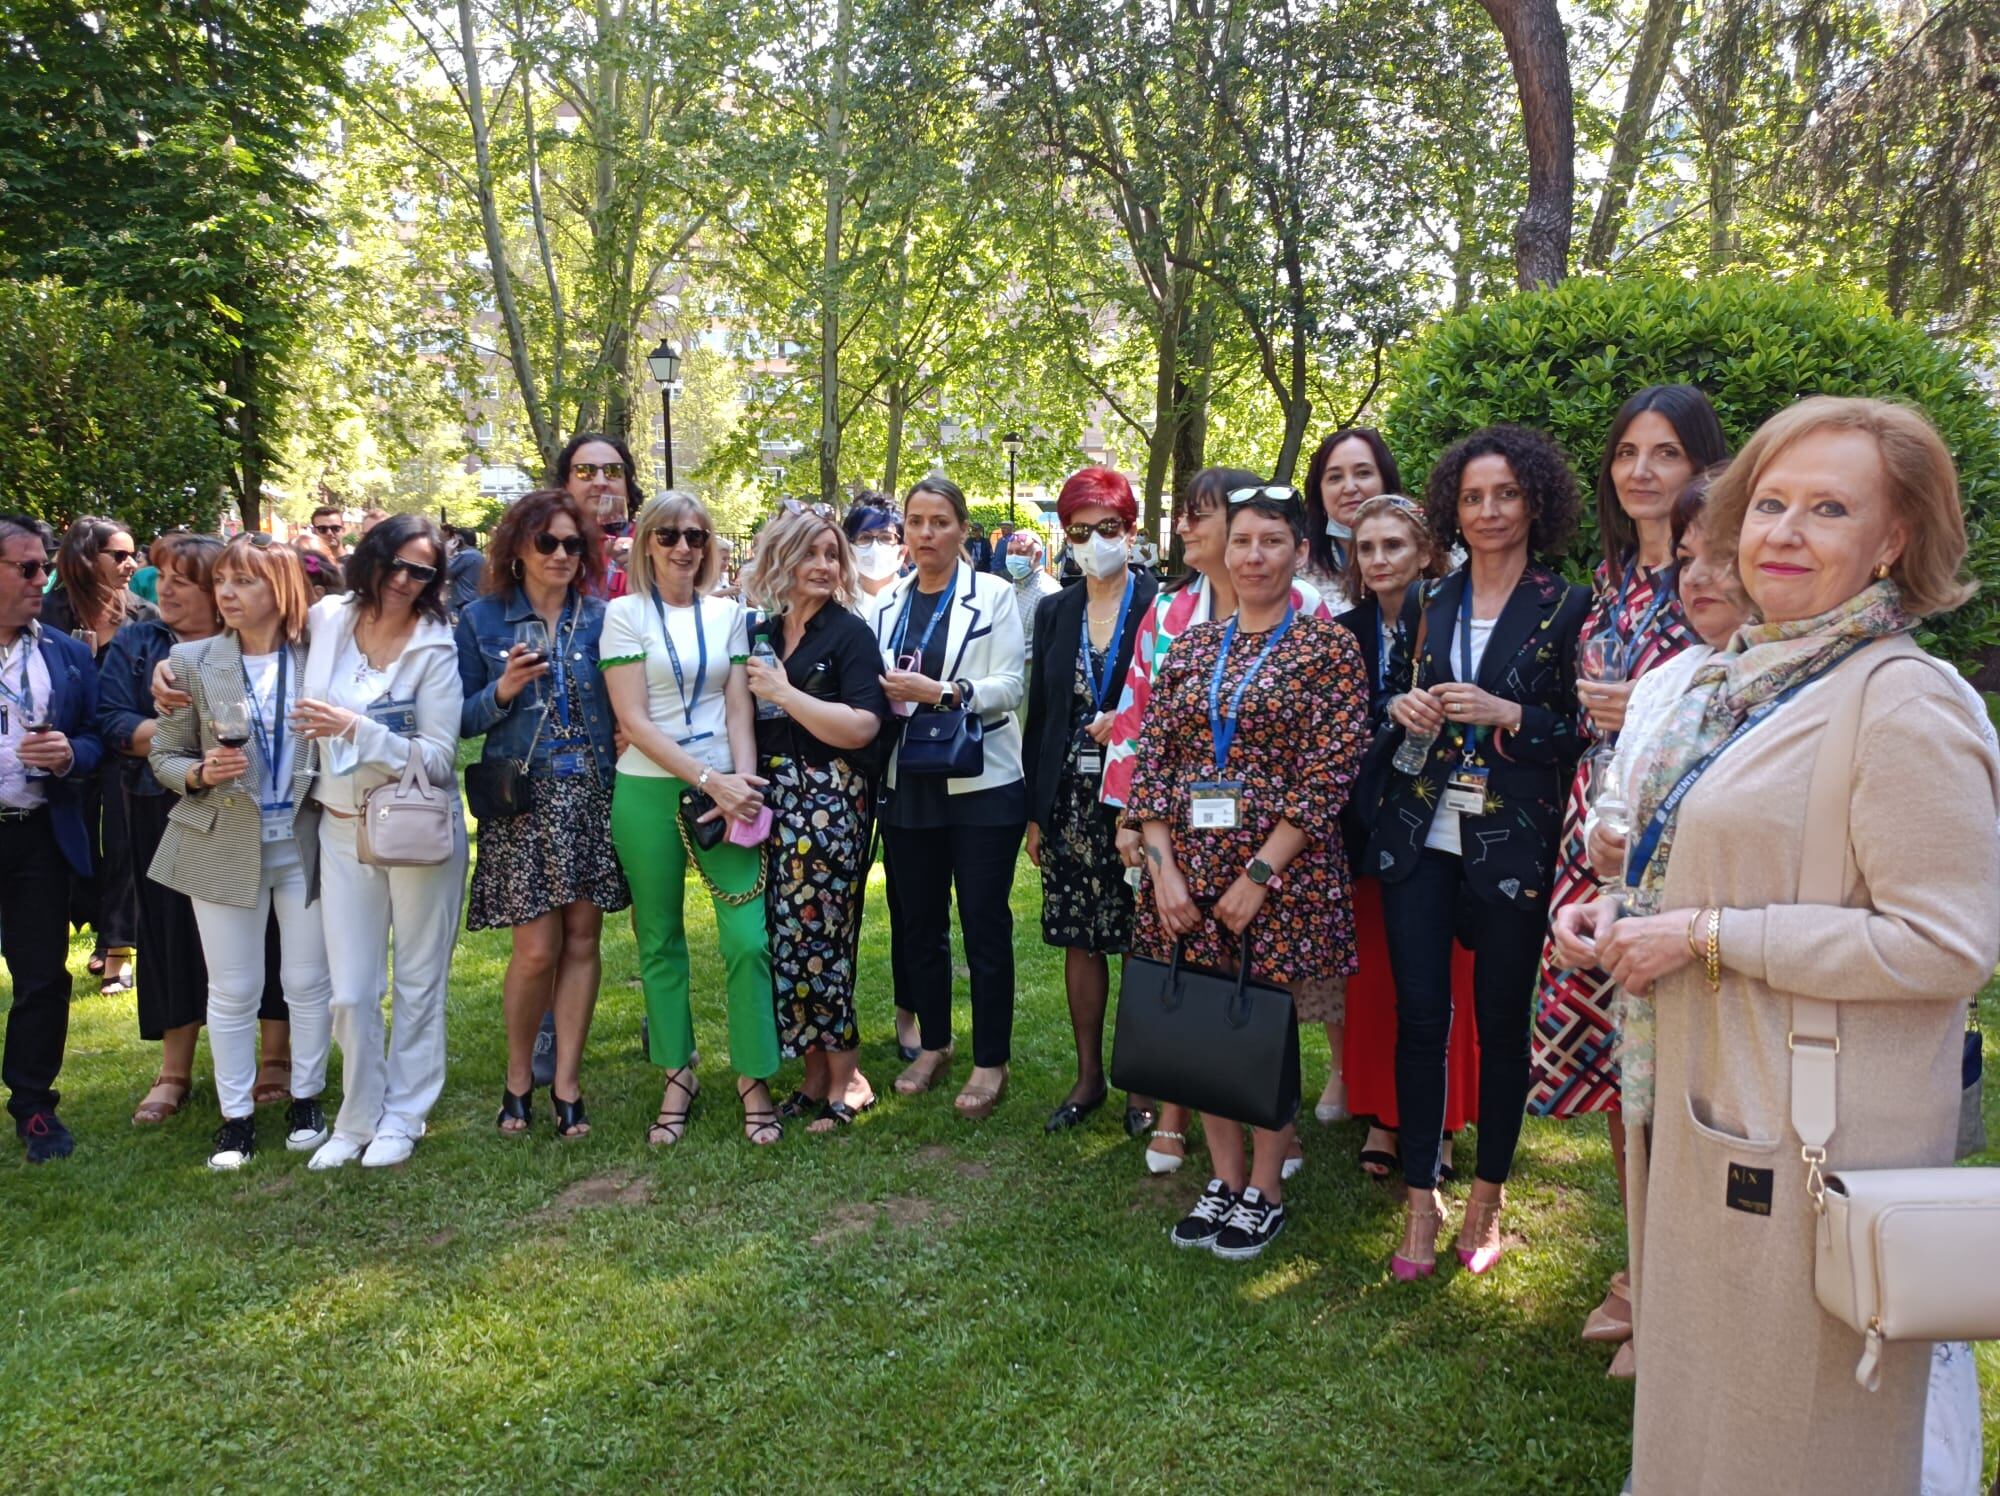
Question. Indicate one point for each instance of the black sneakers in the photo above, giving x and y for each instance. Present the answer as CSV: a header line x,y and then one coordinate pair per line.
x,y
1202,1225
235,1142
44,1137
305,1125
1251,1226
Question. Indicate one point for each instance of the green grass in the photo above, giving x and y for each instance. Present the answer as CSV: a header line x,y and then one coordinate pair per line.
x,y
916,1302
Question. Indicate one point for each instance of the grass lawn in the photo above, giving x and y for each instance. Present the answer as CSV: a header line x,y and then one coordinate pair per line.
x,y
915,1302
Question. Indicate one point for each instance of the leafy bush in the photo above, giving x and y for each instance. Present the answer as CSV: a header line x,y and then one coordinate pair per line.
x,y
99,420
1565,359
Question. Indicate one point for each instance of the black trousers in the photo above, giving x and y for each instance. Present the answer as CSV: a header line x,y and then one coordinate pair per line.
x,y
108,900
34,939
925,865
1420,915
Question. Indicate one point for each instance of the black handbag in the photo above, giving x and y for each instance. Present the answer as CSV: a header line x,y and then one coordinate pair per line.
x,y
498,788
1228,1046
944,745
705,834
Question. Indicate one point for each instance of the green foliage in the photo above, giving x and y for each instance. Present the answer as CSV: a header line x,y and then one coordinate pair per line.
x,y
1564,360
97,419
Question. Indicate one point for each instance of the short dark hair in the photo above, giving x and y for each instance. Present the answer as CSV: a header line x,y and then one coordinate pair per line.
x,y
368,567
1687,410
1693,498
525,518
330,509
634,494
871,511
942,487
1290,510
1319,544
1540,466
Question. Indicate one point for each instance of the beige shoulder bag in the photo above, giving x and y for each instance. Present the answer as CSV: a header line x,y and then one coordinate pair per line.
x,y
1900,1254
407,822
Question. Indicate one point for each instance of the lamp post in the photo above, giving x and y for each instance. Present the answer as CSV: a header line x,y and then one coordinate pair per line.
x,y
1012,442
665,363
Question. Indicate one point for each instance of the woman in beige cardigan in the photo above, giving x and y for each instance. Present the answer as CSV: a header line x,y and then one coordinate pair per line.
x,y
1845,519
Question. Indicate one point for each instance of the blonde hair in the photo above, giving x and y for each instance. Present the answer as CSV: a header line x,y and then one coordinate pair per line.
x,y
1398,506
1922,484
676,508
782,548
273,562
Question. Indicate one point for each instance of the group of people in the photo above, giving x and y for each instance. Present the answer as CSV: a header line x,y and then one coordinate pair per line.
x,y
1520,844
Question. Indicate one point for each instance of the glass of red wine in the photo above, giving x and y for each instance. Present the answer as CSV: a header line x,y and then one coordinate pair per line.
x,y
230,721
38,723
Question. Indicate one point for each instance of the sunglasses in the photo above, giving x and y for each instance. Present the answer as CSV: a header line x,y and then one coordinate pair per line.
x,y
33,571
588,470
801,506
1274,493
416,571
547,544
1110,528
667,537
328,530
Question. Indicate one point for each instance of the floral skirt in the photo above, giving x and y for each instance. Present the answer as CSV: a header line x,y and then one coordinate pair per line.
x,y
1086,902
813,901
558,852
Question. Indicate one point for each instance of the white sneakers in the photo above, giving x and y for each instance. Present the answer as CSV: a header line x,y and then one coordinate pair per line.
x,y
335,1153
392,1148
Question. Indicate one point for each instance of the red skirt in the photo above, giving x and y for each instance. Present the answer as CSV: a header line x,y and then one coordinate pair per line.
x,y
1369,1062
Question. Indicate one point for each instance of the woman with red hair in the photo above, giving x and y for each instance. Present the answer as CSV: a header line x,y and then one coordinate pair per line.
x,y
1084,647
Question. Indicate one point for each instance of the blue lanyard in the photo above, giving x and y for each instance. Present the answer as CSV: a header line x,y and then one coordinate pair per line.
x,y
1641,856
558,672
271,744
903,624
24,697
674,658
1099,689
1665,586
1221,729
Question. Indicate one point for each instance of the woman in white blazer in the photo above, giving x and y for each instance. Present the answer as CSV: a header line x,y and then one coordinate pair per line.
x,y
381,684
951,640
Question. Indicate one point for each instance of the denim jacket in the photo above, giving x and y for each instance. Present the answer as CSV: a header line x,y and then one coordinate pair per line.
x,y
491,626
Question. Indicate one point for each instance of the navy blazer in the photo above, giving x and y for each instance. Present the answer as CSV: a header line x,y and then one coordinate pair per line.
x,y
1510,854
73,713
1052,676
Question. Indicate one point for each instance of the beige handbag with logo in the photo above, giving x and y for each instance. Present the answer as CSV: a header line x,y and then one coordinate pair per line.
x,y
1900,1254
407,822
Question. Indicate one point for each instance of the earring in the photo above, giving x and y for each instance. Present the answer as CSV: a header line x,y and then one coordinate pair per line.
x,y
1882,571
517,568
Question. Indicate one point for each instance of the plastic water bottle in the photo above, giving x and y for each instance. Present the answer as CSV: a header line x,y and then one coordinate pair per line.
x,y
1414,753
761,650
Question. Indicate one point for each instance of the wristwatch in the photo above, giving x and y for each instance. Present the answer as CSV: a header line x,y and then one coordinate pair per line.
x,y
1263,874
947,695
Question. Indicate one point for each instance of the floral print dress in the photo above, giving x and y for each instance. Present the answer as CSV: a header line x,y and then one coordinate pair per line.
x,y
1302,729
1086,902
822,821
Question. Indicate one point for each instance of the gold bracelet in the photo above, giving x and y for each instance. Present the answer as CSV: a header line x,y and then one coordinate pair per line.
x,y
1713,956
1694,919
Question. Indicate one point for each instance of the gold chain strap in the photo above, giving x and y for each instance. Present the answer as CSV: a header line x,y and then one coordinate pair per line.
x,y
734,900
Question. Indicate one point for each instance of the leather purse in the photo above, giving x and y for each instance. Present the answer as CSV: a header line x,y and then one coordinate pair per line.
x,y
1899,1254
944,745
498,789
1225,1045
406,822
704,834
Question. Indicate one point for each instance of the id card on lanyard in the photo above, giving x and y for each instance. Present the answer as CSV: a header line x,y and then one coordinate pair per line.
x,y
1217,804
1089,752
680,676
1465,785
275,805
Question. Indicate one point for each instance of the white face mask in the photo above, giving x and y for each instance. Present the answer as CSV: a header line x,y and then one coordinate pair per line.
x,y
1020,567
1337,530
878,560
1105,558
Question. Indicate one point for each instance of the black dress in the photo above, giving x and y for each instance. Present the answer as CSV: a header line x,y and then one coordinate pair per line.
x,y
1086,902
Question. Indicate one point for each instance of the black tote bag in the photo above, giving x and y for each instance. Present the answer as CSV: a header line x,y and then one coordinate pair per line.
x,y
1228,1046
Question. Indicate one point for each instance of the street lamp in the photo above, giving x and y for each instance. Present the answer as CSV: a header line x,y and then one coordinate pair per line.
x,y
665,362
1012,442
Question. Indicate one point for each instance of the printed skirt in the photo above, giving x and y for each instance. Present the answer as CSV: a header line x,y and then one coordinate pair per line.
x,y
819,861
558,852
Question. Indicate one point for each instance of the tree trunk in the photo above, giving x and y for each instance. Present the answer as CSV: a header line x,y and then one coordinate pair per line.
x,y
892,463
1195,359
1658,32
1539,54
829,319
249,437
1724,69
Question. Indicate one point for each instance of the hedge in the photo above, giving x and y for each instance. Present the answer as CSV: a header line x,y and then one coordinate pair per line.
x,y
1565,359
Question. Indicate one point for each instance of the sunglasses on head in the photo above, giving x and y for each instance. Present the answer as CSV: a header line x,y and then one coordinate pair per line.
x,y
589,470
667,537
1273,493
546,544
416,571
33,571
1111,527
802,506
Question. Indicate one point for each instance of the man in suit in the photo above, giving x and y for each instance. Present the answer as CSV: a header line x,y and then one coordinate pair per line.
x,y
48,748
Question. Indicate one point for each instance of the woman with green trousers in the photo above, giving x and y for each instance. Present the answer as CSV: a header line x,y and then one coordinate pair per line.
x,y
672,659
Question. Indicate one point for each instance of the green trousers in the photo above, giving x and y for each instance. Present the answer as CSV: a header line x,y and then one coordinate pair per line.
x,y
643,813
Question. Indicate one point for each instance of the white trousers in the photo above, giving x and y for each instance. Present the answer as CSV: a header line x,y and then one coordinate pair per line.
x,y
387,1093
232,943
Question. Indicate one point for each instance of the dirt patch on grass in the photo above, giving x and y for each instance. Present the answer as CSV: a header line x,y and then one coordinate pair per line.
x,y
898,1212
964,1168
444,1238
618,1187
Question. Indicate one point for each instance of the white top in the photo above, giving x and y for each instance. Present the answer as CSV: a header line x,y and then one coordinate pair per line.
x,y
25,676
1444,825
698,720
260,674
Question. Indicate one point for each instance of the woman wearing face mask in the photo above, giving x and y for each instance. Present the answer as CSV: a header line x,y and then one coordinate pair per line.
x,y
875,531
1350,467
1392,548
1206,593
1089,633
1031,579
1659,440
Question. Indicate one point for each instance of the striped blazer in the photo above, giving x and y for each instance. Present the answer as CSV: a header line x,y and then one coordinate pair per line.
x,y
213,846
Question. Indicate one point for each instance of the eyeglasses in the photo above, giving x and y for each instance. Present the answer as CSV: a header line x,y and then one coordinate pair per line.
x,y
667,537
1275,493
594,469
1111,527
33,571
330,531
416,571
546,544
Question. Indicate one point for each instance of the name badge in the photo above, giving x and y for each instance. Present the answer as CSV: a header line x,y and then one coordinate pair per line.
x,y
570,764
276,821
1089,756
700,737
400,717
1215,804
1465,790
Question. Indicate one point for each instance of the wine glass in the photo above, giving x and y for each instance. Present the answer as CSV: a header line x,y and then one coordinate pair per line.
x,y
535,634
1600,658
230,722
1612,809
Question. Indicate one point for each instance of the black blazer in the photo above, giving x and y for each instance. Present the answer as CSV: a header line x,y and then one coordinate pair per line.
x,y
1058,633
1510,856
